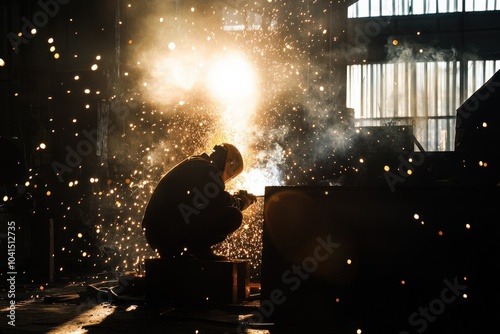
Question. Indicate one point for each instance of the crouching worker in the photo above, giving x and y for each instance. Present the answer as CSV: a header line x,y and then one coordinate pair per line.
x,y
190,210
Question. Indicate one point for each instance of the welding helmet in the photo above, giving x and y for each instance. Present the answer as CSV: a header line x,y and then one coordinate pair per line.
x,y
233,162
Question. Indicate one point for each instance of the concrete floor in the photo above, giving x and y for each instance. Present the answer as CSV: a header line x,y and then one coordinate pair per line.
x,y
67,307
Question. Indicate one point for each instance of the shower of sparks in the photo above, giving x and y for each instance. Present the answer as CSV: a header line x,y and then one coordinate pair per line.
x,y
186,85
246,242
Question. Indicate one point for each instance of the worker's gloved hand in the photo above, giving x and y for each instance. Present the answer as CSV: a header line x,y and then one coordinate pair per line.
x,y
246,199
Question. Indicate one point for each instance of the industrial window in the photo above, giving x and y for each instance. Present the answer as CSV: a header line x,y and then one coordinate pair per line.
x,y
423,94
235,19
369,8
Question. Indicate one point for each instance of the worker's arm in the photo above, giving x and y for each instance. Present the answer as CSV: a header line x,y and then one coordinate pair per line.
x,y
240,200
244,199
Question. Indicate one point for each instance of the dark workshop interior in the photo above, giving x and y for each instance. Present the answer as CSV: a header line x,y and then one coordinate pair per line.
x,y
370,134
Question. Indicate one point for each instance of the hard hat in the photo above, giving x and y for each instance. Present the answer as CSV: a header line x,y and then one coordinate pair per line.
x,y
234,162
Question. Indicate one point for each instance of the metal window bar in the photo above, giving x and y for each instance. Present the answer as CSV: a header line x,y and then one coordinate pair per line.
x,y
413,95
366,8
384,90
362,95
436,102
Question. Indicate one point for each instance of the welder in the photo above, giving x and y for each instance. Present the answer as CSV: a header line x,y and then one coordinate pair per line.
x,y
190,210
